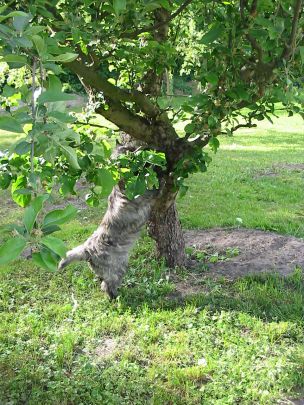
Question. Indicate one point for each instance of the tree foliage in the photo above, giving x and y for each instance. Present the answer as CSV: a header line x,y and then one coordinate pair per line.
x,y
247,55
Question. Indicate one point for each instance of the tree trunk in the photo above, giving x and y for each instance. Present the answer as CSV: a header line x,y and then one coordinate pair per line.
x,y
165,228
169,90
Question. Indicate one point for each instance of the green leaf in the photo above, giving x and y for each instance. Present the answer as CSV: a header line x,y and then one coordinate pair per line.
x,y
22,147
32,211
212,34
18,194
64,57
68,184
71,156
135,187
92,200
264,22
54,84
189,128
14,58
11,249
59,217
55,244
37,259
38,202
50,229
29,218
34,30
212,121
3,8
62,117
165,4
104,179
212,78
10,124
24,42
21,21
14,227
214,144
119,6
8,91
5,180
140,186
50,96
151,180
46,260
39,44
13,14
183,190
155,158
242,93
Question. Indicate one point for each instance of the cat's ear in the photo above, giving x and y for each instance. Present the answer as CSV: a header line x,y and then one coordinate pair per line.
x,y
118,143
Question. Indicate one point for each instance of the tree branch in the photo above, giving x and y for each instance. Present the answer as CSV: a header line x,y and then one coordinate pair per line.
x,y
254,44
253,8
90,124
247,125
131,123
94,80
154,27
290,48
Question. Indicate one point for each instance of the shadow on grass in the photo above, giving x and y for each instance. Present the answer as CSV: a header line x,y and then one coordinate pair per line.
x,y
49,339
267,296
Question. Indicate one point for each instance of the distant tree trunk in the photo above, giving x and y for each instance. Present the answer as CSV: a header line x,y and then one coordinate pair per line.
x,y
167,77
165,228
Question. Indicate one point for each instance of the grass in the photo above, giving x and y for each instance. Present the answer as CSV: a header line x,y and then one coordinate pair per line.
x,y
252,178
236,342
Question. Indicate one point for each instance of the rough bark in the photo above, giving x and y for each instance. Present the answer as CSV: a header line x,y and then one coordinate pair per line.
x,y
165,228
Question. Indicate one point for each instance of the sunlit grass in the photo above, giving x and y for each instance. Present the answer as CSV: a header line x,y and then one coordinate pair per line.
x,y
234,343
252,177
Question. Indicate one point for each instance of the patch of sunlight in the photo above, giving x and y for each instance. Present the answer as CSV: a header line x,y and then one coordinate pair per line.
x,y
7,139
98,120
235,146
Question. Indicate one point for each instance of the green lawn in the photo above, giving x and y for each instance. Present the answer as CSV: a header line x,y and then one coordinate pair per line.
x,y
242,342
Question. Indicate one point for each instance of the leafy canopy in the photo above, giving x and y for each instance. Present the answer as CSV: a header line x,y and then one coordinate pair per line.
x,y
246,56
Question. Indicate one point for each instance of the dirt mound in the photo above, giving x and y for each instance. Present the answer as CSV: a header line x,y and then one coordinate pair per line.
x,y
254,251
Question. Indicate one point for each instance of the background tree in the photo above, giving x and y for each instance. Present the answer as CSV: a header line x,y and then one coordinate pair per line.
x,y
247,56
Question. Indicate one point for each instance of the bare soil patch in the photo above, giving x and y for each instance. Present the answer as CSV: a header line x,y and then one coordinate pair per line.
x,y
291,166
106,349
259,251
275,169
